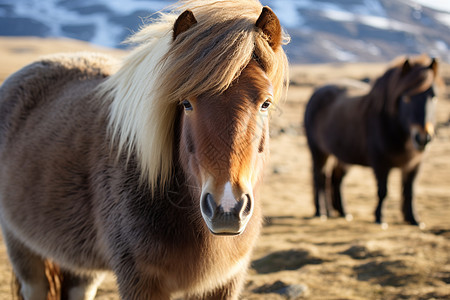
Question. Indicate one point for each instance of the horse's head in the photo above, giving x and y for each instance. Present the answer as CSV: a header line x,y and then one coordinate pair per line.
x,y
417,102
224,144
224,137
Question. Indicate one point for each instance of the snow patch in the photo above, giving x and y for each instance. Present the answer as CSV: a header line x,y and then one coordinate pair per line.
x,y
337,52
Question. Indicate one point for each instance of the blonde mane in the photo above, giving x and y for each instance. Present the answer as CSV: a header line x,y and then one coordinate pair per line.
x,y
159,73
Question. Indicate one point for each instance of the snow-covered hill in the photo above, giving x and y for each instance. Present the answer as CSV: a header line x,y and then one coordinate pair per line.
x,y
320,30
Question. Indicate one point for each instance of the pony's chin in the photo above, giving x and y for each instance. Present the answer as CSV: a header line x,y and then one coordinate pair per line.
x,y
419,147
226,233
227,230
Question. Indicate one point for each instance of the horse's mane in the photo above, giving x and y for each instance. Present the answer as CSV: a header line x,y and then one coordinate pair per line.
x,y
394,82
159,73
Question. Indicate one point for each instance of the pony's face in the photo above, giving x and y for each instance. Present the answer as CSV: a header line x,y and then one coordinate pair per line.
x,y
422,111
223,145
418,110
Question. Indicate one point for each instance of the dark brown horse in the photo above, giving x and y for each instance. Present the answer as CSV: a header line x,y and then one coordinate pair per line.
x,y
150,170
383,127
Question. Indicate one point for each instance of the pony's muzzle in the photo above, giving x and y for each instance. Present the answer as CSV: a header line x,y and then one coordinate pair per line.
x,y
225,220
422,136
422,140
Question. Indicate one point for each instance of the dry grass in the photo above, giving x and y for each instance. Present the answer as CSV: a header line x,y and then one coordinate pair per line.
x,y
333,259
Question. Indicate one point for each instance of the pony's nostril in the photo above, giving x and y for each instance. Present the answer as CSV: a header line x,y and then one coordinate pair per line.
x,y
208,206
421,140
418,139
244,206
248,207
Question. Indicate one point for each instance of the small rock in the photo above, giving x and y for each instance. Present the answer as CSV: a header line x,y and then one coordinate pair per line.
x,y
294,291
290,291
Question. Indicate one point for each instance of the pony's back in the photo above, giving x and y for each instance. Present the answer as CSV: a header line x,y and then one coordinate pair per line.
x,y
340,90
320,99
47,146
35,85
337,114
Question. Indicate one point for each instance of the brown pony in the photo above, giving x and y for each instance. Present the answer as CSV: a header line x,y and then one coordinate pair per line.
x,y
382,127
150,169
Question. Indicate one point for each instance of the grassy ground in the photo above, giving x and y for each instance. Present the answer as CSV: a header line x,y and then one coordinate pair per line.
x,y
298,256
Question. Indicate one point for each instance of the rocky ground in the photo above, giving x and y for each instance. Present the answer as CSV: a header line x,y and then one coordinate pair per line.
x,y
302,257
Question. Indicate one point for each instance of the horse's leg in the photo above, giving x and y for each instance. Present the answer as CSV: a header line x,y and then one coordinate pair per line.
x,y
381,174
28,267
141,287
79,286
135,283
229,291
337,175
408,177
319,177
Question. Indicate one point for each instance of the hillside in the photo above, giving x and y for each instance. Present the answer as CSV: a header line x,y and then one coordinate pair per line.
x,y
321,31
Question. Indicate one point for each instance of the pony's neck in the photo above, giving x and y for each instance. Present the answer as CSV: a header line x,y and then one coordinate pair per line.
x,y
393,128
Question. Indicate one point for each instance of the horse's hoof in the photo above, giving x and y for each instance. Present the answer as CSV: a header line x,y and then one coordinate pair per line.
x,y
323,218
422,225
383,225
349,217
414,222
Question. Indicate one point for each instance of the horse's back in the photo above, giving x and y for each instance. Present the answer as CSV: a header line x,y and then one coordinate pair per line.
x,y
43,81
330,94
318,105
335,120
52,130
321,98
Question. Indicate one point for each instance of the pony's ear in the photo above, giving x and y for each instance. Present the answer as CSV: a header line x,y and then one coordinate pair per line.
x,y
270,26
406,67
433,66
185,21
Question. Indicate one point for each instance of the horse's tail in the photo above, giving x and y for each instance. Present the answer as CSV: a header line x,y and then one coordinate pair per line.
x,y
55,281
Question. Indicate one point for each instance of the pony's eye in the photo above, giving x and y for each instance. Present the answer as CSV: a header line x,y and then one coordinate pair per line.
x,y
187,105
265,105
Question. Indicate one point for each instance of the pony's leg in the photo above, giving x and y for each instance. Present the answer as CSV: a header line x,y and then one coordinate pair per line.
x,y
381,175
319,179
79,286
28,267
408,177
134,284
136,287
337,175
229,291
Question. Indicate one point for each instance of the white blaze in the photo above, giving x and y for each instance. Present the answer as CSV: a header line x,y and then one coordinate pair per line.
x,y
228,202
